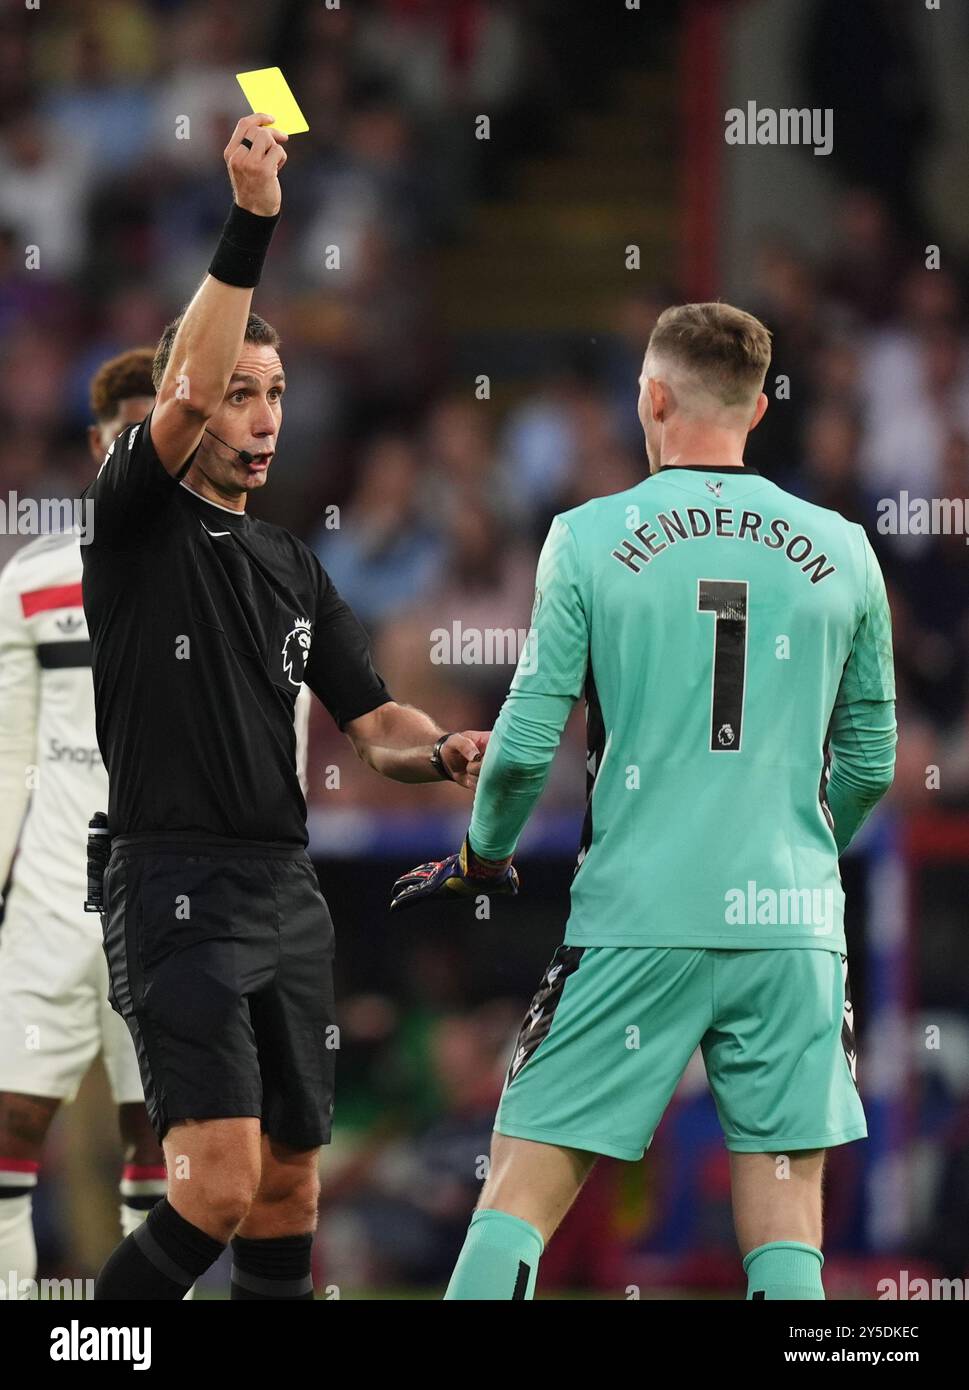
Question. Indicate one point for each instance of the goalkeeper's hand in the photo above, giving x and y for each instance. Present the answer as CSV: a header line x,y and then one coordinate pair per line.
x,y
461,875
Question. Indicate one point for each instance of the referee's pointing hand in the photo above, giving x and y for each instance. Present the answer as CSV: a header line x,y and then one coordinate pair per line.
x,y
254,157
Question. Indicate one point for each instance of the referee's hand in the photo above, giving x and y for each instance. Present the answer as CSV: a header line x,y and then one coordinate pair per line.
x,y
462,756
254,172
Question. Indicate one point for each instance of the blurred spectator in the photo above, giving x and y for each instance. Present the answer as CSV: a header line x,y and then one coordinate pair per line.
x,y
100,101
461,464
384,556
831,461
441,52
204,47
915,386
468,631
623,358
866,266
786,298
44,178
539,447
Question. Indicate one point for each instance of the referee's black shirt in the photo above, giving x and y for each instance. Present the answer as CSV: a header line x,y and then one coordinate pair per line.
x,y
204,624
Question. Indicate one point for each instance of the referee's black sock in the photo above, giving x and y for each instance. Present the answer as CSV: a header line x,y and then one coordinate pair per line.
x,y
160,1260
275,1268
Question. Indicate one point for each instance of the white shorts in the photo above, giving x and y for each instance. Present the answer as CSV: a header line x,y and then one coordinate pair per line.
x,y
54,1012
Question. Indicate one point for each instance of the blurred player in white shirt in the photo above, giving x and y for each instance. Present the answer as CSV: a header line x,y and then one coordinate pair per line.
x,y
54,1012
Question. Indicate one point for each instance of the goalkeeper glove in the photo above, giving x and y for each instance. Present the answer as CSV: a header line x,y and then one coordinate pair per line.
x,y
461,875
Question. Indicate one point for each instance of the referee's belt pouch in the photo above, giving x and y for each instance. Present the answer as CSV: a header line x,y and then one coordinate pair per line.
x,y
98,854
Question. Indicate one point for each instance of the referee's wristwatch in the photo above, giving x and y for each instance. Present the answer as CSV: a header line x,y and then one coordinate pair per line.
x,y
441,767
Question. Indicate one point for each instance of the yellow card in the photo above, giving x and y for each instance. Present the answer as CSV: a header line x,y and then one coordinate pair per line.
x,y
267,90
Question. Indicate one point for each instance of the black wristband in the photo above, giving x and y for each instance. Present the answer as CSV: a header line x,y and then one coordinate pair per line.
x,y
241,251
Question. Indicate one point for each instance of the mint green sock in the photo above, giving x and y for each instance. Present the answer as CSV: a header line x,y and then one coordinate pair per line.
x,y
784,1269
499,1259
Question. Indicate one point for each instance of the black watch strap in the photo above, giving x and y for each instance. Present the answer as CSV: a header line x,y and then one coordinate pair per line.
x,y
441,766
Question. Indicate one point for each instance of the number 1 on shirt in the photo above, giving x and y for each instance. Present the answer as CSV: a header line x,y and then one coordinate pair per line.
x,y
727,598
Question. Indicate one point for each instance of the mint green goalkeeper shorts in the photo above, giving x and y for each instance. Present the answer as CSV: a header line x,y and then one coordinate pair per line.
x,y
612,1028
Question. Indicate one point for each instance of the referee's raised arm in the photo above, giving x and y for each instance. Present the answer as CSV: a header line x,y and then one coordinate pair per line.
x,y
210,335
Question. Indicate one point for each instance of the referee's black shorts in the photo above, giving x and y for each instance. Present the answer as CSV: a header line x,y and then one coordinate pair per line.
x,y
220,957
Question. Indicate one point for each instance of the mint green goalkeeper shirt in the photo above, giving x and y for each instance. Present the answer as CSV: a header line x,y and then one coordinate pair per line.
x,y
733,644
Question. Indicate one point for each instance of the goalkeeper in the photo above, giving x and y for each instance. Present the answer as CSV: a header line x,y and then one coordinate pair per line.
x,y
733,644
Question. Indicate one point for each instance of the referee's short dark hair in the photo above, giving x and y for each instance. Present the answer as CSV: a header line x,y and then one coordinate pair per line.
x,y
257,331
119,379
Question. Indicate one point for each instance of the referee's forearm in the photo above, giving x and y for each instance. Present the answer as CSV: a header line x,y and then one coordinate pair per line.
x,y
211,333
403,764
207,347
396,741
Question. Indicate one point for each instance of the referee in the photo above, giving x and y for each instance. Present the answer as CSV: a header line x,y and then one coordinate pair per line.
x,y
205,623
